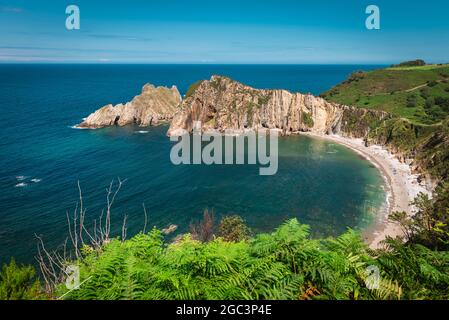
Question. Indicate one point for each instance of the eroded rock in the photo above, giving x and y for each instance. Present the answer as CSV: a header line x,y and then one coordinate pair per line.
x,y
153,105
224,104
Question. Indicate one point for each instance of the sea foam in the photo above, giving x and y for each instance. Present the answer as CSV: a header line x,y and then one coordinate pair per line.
x,y
21,185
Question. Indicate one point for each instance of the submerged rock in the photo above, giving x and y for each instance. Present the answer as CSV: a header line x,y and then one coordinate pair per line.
x,y
170,229
153,105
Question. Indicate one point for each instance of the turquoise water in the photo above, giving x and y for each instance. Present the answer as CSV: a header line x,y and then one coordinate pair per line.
x,y
322,184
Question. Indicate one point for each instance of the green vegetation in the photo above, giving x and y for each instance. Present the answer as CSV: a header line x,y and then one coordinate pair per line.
x,y
307,119
234,229
401,91
263,100
192,89
227,262
413,63
285,264
18,283
425,67
417,127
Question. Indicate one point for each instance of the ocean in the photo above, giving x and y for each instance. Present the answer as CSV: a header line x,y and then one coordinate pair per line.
x,y
42,158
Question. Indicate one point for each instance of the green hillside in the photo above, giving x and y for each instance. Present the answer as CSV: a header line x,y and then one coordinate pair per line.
x,y
418,93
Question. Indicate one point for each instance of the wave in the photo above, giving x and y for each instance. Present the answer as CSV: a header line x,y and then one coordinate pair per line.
x,y
20,185
36,180
21,178
142,131
77,127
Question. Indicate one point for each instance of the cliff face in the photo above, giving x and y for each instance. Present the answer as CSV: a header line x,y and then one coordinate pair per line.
x,y
223,104
149,108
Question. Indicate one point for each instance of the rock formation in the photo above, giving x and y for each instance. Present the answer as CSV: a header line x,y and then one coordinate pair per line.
x,y
224,104
152,106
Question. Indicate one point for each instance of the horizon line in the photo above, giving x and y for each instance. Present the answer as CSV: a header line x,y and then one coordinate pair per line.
x,y
191,63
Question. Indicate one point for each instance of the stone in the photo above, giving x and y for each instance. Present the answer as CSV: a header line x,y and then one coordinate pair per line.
x,y
153,106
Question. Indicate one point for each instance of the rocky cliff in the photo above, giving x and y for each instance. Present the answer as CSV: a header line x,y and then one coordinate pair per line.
x,y
224,104
153,105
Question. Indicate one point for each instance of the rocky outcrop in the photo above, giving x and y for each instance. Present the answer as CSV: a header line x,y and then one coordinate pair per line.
x,y
153,105
224,104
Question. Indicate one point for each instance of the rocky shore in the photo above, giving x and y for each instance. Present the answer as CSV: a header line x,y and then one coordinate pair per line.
x,y
222,104
402,186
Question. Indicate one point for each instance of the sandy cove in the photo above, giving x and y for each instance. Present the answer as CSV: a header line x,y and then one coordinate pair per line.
x,y
402,186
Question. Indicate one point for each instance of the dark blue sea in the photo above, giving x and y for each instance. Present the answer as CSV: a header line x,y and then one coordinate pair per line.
x,y
42,158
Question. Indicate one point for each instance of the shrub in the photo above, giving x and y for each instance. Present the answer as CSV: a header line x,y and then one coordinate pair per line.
x,y
18,282
203,230
425,92
234,229
412,101
430,102
436,113
192,88
307,119
441,101
356,76
412,63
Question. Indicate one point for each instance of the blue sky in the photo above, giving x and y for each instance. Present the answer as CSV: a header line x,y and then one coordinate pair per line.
x,y
231,31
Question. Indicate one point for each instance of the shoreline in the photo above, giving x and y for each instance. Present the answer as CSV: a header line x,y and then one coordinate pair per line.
x,y
402,186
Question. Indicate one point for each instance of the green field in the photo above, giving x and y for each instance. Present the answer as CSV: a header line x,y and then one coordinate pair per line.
x,y
419,94
426,67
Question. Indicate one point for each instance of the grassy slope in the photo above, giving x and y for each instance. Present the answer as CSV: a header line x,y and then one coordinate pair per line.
x,y
416,132
388,90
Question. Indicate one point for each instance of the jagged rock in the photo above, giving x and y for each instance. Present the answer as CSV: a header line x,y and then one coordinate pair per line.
x,y
153,105
224,104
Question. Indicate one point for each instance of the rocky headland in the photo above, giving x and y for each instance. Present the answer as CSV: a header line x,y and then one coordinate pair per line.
x,y
224,104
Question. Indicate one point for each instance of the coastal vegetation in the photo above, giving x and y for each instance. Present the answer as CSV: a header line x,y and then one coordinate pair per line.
x,y
419,93
412,63
421,135
284,264
226,260
192,88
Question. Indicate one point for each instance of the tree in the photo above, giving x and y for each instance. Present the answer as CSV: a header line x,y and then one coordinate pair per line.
x,y
406,224
233,228
424,219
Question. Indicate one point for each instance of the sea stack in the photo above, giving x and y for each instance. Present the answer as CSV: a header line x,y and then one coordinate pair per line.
x,y
152,106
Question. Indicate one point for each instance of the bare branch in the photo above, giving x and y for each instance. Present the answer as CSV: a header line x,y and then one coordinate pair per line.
x,y
124,228
146,218
82,214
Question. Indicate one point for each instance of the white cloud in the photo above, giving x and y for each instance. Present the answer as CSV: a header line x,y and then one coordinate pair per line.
x,y
11,9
